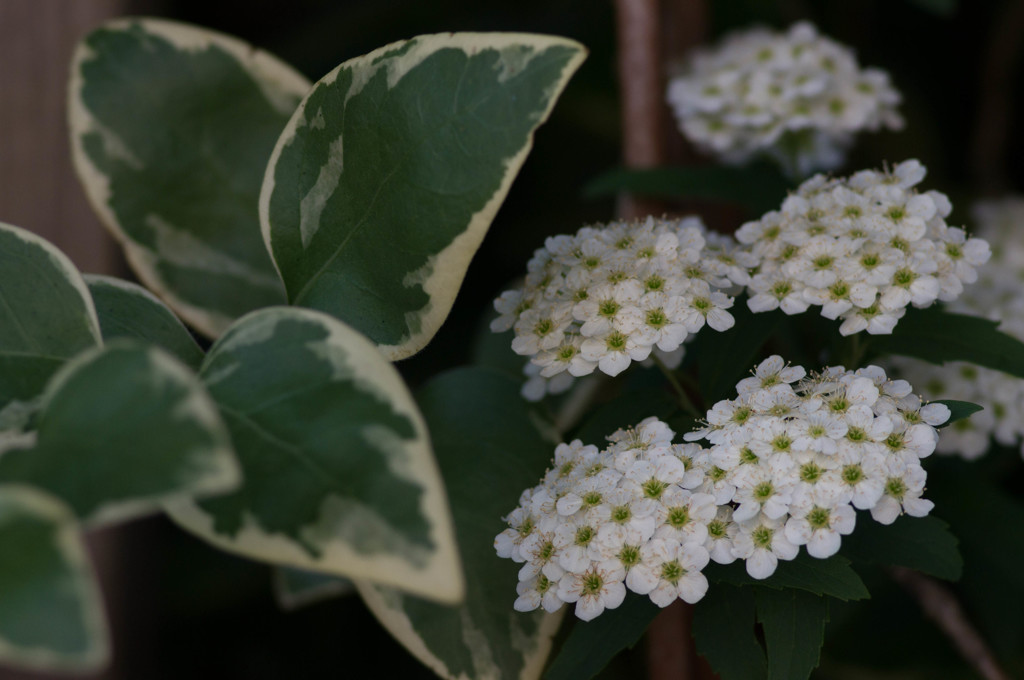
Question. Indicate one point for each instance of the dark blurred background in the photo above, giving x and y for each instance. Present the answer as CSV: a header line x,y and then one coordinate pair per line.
x,y
181,609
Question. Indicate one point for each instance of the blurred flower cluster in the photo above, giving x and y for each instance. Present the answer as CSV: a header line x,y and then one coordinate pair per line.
x,y
997,296
797,96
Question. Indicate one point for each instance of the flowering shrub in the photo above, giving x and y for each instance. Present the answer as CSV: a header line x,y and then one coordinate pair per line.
x,y
796,96
862,248
791,458
613,294
287,433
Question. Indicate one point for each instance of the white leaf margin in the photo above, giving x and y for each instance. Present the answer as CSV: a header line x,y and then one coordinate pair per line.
x,y
222,476
62,263
442,275
389,614
266,69
442,578
290,599
71,547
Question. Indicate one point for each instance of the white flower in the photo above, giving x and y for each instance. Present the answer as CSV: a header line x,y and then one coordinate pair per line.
x,y
721,532
612,294
820,528
537,592
797,96
863,248
683,516
903,487
593,591
670,570
791,458
762,543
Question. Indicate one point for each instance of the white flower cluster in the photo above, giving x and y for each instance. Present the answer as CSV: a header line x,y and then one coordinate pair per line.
x,y
610,295
997,296
790,459
630,516
797,96
795,454
863,248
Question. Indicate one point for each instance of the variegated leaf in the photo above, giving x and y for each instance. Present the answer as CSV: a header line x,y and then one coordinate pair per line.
x,y
46,315
339,473
171,128
490,448
51,614
127,310
122,429
385,180
297,588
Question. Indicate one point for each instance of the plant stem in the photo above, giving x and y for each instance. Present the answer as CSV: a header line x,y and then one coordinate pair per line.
x,y
577,403
942,607
684,399
856,349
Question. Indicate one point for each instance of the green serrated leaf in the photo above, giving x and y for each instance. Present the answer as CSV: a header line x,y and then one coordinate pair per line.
x,y
794,631
122,429
938,336
723,630
46,314
126,310
176,176
592,644
922,543
490,450
385,180
338,471
832,576
297,588
51,613
958,410
758,187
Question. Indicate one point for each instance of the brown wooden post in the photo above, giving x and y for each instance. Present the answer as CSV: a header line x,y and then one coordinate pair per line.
x,y
38,189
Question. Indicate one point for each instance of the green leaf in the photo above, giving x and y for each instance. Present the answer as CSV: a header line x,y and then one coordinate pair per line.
x,y
625,410
723,359
937,336
46,314
985,516
339,473
122,429
296,588
832,576
758,187
593,644
922,543
958,410
490,451
51,613
126,310
723,630
176,175
385,180
494,350
794,630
